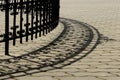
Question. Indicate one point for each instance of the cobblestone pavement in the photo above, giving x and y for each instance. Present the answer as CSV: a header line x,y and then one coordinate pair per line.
x,y
64,50
104,62
100,58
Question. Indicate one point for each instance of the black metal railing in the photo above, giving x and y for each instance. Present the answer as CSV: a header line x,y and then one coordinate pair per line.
x,y
36,17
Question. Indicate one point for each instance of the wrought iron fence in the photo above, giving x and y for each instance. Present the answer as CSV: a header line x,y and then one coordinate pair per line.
x,y
36,17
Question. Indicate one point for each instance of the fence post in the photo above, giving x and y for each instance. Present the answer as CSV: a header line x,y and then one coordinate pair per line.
x,y
6,27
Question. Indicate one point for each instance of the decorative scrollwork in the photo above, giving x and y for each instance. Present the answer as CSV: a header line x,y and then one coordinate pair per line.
x,y
35,16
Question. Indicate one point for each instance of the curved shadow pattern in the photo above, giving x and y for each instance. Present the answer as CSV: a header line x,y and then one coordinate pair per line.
x,y
104,39
64,50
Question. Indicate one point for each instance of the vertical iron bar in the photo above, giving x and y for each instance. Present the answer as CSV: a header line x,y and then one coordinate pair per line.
x,y
14,23
32,18
52,21
46,15
21,19
49,15
40,18
7,28
58,9
43,17
27,19
36,23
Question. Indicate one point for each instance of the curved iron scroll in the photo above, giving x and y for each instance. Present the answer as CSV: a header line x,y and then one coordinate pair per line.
x,y
40,17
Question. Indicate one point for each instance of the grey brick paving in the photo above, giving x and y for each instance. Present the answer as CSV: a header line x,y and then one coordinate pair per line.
x,y
103,62
49,56
78,78
103,15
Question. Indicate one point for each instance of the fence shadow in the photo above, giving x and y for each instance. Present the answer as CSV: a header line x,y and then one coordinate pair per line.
x,y
31,63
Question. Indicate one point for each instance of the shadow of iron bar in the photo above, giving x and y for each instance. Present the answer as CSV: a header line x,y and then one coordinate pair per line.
x,y
46,64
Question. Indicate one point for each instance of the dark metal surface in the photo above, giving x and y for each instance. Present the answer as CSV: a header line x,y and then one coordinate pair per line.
x,y
40,16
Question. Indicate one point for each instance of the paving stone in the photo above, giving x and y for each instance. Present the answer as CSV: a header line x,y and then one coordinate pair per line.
x,y
110,78
58,74
80,74
116,73
102,70
78,78
36,78
102,61
69,70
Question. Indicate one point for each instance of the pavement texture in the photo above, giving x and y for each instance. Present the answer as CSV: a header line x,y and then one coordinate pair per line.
x,y
86,46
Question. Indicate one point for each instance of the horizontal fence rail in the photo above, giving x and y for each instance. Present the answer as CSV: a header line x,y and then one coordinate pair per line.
x,y
36,18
